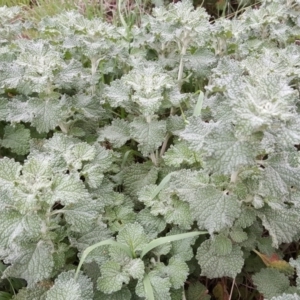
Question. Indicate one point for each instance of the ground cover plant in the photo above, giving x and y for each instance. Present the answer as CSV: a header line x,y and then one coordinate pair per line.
x,y
150,161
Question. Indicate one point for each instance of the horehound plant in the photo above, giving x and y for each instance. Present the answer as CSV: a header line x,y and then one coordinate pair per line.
x,y
157,161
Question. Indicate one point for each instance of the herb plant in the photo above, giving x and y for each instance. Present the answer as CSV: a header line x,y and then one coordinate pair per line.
x,y
136,159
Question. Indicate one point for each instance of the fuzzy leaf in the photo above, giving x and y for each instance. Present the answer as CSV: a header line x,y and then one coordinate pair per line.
x,y
15,226
81,215
137,176
196,132
279,176
68,189
47,113
133,236
118,216
197,291
271,282
123,294
281,224
214,265
226,153
112,278
177,272
79,153
35,293
179,153
149,135
135,268
118,133
67,288
153,225
16,138
9,171
33,262
212,209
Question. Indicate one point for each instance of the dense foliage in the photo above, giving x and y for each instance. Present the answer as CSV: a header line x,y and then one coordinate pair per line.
x,y
152,156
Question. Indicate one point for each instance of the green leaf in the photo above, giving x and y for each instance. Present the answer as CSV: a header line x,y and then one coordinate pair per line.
x,y
197,291
112,278
79,153
16,138
48,113
179,213
279,176
33,262
12,226
3,109
123,294
137,176
163,249
149,135
221,245
117,94
238,235
119,216
9,171
214,265
148,81
271,282
93,175
67,288
281,223
68,189
133,236
180,153
153,225
134,268
175,124
174,210
226,153
201,62
176,270
81,215
196,132
212,209
35,293
118,133
37,171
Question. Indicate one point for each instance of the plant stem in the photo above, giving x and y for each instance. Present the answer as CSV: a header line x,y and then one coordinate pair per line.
x,y
234,176
164,145
183,294
231,291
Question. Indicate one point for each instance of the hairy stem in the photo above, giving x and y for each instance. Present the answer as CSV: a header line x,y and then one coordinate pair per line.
x,y
183,294
231,291
164,145
234,176
153,159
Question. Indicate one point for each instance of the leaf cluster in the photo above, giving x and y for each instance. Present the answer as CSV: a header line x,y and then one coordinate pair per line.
x,y
120,144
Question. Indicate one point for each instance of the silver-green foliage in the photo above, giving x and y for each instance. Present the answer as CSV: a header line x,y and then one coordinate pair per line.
x,y
129,135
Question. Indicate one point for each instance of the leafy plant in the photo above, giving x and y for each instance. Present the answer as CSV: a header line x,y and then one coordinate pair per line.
x,y
121,145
